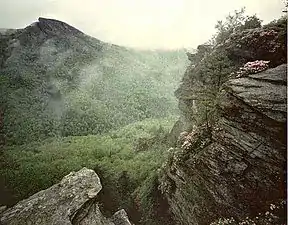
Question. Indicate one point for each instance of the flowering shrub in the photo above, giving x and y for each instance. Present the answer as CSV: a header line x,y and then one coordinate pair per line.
x,y
185,139
253,67
270,217
268,33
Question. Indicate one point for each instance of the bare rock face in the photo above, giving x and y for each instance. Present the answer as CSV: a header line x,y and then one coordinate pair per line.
x,y
121,218
72,201
56,28
45,38
266,43
236,166
240,170
264,91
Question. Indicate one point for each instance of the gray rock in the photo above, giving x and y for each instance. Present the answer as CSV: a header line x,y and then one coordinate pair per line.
x,y
175,132
266,43
90,214
72,201
120,218
264,91
269,75
242,170
2,208
55,27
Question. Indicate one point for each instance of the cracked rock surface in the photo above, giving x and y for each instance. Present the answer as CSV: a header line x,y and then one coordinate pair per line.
x,y
71,201
242,169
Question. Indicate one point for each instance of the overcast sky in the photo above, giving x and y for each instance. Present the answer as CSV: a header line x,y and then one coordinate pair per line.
x,y
137,23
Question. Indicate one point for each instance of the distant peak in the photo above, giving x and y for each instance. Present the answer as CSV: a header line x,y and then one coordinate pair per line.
x,y
56,27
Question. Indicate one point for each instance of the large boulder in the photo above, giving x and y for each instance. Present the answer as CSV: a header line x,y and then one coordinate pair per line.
x,y
71,201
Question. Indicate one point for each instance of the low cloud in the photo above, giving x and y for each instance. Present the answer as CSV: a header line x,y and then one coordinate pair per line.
x,y
137,23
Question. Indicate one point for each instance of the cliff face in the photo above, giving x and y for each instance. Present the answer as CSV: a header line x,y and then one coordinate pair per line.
x,y
235,167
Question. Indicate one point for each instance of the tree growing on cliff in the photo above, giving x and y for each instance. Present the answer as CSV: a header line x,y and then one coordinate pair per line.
x,y
232,23
286,6
212,72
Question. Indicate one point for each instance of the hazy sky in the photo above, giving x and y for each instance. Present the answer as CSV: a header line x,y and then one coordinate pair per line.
x,y
137,23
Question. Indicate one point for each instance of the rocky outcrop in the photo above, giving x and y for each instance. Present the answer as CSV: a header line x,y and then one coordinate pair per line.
x,y
241,169
265,92
72,201
235,166
120,218
56,28
267,43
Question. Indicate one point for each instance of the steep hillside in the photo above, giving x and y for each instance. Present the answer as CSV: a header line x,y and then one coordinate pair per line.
x,y
57,81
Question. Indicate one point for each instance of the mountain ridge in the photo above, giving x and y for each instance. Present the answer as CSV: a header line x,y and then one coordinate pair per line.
x,y
54,61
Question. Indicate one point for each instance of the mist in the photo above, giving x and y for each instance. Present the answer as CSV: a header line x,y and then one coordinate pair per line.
x,y
166,108
143,24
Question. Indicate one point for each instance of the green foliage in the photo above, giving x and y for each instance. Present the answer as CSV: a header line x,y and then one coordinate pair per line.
x,y
154,209
147,201
29,168
212,72
251,22
234,22
278,25
212,67
66,93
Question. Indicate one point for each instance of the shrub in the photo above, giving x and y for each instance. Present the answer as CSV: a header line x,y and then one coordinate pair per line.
x,y
253,67
275,214
233,23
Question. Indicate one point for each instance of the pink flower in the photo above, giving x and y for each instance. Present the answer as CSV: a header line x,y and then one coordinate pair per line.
x,y
185,139
253,67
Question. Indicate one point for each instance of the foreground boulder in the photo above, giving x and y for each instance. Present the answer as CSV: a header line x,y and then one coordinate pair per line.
x,y
72,201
